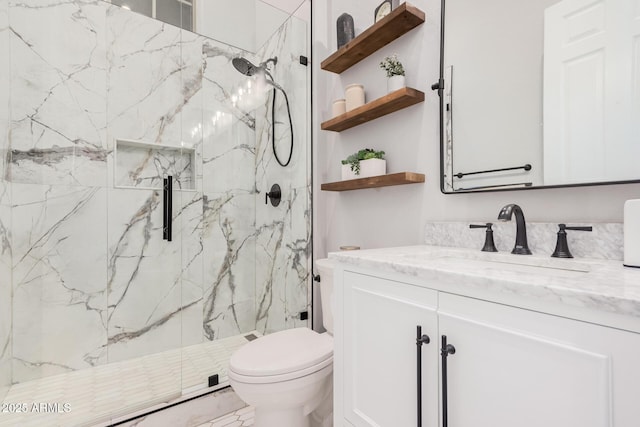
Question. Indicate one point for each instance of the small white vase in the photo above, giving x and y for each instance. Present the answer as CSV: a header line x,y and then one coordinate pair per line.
x,y
394,83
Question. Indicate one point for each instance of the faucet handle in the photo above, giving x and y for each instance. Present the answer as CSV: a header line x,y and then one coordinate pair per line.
x,y
487,225
562,247
574,227
489,245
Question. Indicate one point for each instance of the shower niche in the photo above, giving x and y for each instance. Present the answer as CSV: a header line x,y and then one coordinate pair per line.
x,y
143,165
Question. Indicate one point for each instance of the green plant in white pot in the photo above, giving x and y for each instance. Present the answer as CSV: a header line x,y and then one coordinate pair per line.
x,y
364,163
395,73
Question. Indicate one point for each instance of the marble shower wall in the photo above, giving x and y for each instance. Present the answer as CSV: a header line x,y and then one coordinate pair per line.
x,y
5,211
57,163
59,273
93,281
58,79
145,97
92,278
283,251
228,225
6,309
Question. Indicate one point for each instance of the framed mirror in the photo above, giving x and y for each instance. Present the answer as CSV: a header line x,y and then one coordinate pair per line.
x,y
541,93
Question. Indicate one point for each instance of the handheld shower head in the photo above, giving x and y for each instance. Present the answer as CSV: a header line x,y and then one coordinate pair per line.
x,y
244,66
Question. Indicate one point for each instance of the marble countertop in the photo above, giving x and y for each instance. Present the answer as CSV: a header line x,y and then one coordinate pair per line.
x,y
582,282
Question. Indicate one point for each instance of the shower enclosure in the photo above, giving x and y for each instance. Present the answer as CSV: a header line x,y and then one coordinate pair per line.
x,y
99,105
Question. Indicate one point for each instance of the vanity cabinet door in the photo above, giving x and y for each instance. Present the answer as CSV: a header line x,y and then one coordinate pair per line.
x,y
380,352
515,367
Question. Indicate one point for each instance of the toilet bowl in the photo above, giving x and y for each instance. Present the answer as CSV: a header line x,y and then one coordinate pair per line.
x,y
288,375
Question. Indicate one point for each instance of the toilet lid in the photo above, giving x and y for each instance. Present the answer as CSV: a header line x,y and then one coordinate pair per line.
x,y
282,352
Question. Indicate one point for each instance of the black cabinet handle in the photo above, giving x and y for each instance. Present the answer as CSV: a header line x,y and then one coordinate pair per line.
x,y
445,351
420,339
167,207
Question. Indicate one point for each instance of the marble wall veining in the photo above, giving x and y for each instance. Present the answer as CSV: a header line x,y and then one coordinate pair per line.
x,y
152,76
283,251
93,280
57,162
6,306
58,79
59,276
228,225
5,210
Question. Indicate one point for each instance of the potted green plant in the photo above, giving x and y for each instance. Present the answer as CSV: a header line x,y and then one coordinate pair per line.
x,y
395,73
364,163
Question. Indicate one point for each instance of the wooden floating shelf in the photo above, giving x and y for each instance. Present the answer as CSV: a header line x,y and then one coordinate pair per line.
x,y
400,21
394,101
400,178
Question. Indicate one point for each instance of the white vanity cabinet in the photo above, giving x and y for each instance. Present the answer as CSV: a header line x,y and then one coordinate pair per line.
x,y
515,367
511,366
379,357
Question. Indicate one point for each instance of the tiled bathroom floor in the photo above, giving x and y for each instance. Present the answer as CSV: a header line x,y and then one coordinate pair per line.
x,y
96,394
240,418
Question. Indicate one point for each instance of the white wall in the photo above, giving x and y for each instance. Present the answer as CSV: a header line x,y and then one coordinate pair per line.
x,y
265,18
222,24
395,216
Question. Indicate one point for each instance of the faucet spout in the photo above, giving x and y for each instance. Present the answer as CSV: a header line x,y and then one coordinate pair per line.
x,y
506,213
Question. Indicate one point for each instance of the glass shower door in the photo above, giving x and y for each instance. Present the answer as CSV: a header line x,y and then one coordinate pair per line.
x,y
145,265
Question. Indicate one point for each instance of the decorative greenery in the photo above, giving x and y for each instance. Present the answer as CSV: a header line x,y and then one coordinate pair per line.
x,y
392,66
366,154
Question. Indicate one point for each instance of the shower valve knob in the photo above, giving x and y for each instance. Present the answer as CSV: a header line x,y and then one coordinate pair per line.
x,y
275,195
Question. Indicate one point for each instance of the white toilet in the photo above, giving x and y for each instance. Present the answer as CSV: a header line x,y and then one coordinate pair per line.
x,y
288,375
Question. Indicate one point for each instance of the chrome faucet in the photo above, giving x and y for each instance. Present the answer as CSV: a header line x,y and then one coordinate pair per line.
x,y
521,247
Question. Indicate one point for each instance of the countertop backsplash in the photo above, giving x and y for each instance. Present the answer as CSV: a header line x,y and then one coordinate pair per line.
x,y
604,242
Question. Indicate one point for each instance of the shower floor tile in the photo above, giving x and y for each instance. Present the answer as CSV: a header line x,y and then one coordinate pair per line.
x,y
97,394
240,418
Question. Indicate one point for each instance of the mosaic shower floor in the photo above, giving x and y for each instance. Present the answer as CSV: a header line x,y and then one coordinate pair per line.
x,y
89,396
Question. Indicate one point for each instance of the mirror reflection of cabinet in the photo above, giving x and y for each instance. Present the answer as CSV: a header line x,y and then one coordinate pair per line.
x,y
554,84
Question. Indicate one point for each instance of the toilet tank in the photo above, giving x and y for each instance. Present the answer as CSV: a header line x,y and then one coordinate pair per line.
x,y
325,269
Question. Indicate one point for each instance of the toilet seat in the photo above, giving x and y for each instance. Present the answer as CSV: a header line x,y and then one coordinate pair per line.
x,y
282,356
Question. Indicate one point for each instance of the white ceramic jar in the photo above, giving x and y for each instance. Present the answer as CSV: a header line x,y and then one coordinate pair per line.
x,y
339,107
354,95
